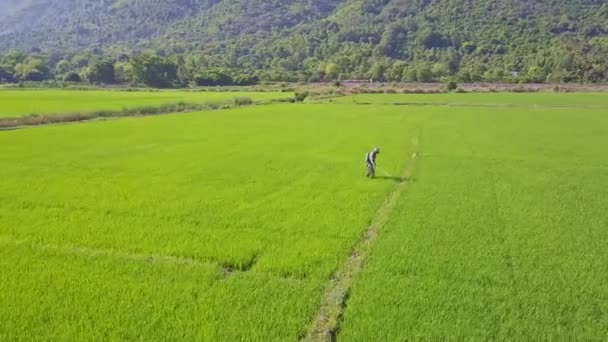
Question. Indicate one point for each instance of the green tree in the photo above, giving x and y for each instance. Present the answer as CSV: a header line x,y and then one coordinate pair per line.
x,y
560,76
395,72
213,78
331,71
536,74
394,41
464,75
430,39
101,71
377,71
154,71
439,70
468,47
7,74
451,85
63,67
14,57
424,73
494,75
81,60
31,69
184,73
72,77
246,80
409,74
123,72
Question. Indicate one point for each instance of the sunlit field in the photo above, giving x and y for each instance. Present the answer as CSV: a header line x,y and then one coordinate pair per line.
x,y
231,224
14,103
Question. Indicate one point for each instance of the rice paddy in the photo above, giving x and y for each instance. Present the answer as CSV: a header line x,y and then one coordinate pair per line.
x,y
528,100
15,103
232,225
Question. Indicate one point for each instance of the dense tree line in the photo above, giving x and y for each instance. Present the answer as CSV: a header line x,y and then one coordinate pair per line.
x,y
144,69
217,42
557,65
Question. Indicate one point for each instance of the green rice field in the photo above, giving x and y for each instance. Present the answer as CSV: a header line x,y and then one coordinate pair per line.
x,y
15,103
234,224
587,100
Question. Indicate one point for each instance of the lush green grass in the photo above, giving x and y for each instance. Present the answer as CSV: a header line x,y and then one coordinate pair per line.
x,y
278,186
597,100
228,225
14,103
501,235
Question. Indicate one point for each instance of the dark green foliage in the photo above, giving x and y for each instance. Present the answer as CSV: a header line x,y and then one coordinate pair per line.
x,y
424,73
301,96
61,24
29,68
216,42
246,80
243,101
451,86
213,78
154,71
102,71
430,39
7,74
72,77
218,78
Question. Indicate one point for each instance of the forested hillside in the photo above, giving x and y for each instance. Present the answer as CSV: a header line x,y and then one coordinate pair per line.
x,y
70,24
394,40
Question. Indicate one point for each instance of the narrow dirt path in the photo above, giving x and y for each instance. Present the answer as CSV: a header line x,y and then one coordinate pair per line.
x,y
326,324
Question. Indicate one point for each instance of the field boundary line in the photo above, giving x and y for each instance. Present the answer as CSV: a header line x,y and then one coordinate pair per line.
x,y
12,123
481,105
327,321
124,255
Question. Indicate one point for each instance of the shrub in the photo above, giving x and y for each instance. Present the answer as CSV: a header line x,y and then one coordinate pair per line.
x,y
518,89
301,96
213,105
243,101
451,85
213,78
72,77
522,89
246,80
561,89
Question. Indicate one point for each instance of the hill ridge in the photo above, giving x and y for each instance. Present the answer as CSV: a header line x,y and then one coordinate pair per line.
x,y
409,40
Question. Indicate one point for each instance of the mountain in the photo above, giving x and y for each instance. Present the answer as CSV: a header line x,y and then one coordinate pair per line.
x,y
559,40
72,24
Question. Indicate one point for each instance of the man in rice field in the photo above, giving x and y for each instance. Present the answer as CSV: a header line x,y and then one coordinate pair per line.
x,y
370,159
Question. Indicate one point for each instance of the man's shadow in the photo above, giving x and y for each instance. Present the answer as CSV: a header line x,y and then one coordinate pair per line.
x,y
394,179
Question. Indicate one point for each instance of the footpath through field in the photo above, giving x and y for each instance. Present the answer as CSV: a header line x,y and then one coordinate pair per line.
x,y
327,322
502,236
